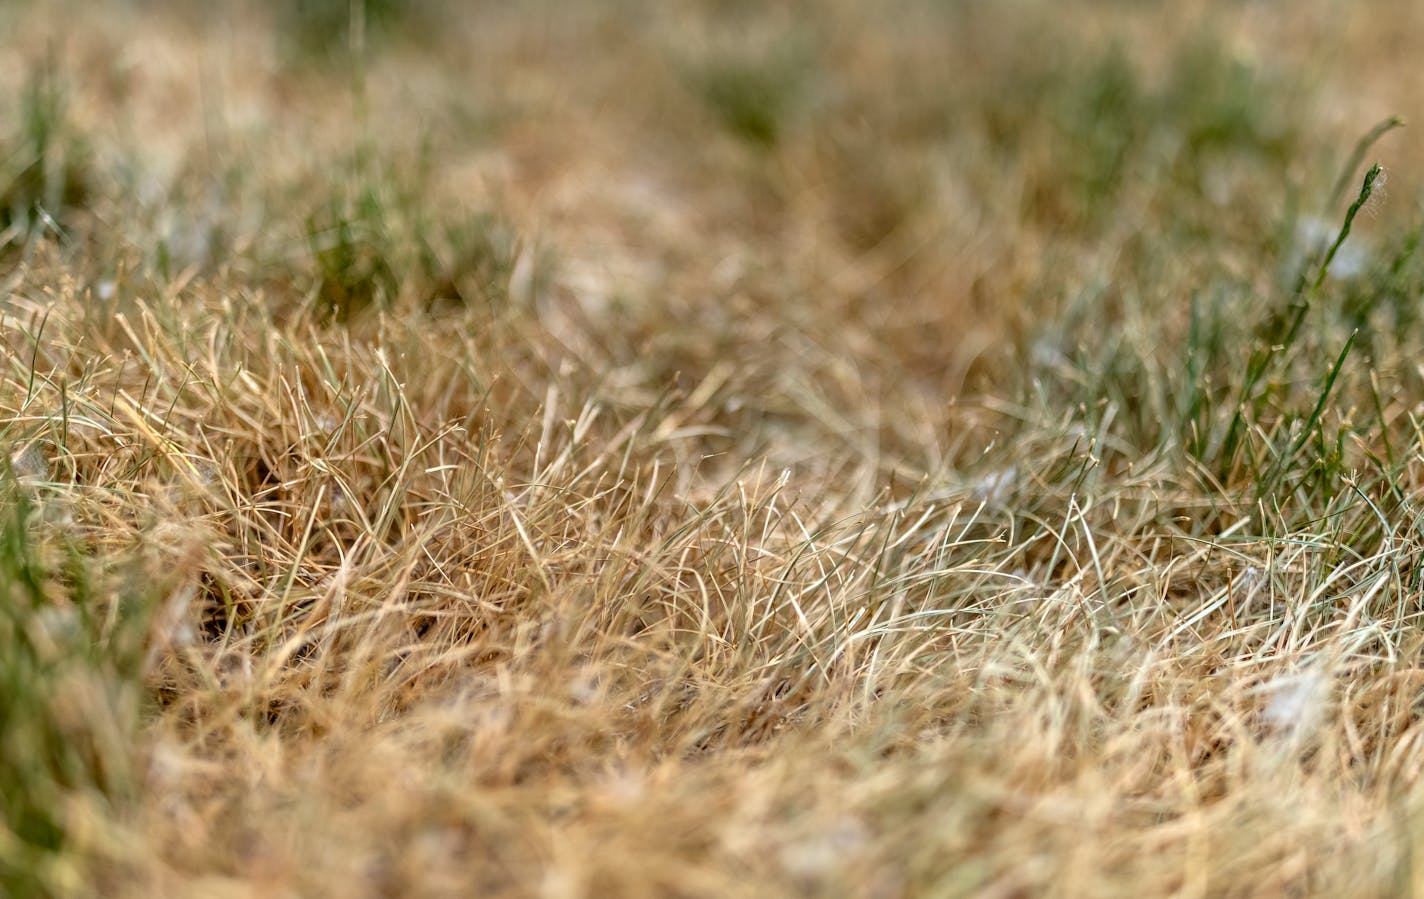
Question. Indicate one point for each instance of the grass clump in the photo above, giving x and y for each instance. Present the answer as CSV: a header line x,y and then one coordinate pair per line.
x,y
374,246
756,94
351,244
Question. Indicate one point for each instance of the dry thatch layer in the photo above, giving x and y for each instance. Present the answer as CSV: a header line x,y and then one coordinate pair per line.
x,y
605,449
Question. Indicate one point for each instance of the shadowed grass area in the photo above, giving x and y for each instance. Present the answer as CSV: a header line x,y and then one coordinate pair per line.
x,y
834,449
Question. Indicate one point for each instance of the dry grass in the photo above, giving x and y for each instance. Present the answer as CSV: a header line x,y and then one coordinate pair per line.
x,y
867,449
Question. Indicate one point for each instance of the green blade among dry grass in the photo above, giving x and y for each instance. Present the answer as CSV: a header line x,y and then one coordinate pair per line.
x,y
840,449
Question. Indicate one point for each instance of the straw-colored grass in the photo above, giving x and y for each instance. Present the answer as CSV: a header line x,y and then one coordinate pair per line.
x,y
831,449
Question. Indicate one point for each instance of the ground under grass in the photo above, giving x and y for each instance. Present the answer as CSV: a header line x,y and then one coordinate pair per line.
x,y
876,449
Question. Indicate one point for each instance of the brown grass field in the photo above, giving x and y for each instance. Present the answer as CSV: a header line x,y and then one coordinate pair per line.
x,y
857,448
